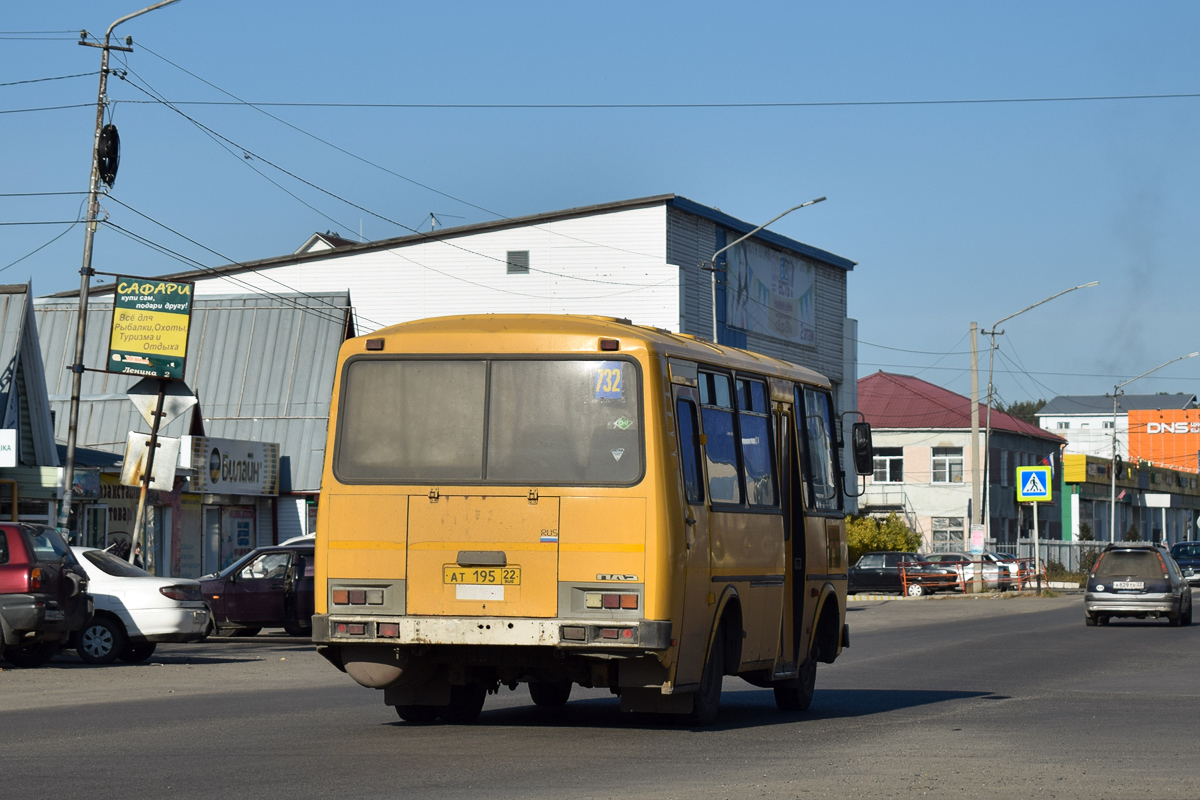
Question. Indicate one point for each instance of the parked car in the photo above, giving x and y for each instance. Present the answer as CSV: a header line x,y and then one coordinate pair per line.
x,y
1009,567
1137,580
964,567
43,594
271,587
135,610
880,572
1187,556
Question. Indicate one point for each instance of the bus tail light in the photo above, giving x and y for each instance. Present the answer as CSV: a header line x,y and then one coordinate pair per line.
x,y
352,628
388,630
611,601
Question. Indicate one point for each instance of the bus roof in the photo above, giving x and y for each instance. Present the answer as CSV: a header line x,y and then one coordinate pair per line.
x,y
677,345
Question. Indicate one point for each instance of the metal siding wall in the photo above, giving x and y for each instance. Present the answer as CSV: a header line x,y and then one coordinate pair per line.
x,y
264,523
689,240
692,240
618,261
292,516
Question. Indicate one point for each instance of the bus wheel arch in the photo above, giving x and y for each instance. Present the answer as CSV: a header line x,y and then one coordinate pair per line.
x,y
827,631
728,620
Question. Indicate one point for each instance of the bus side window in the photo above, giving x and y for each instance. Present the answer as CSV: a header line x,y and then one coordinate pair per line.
x,y
720,450
689,451
818,429
756,443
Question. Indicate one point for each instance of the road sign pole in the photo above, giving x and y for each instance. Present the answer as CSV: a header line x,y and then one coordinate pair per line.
x,y
139,519
1037,550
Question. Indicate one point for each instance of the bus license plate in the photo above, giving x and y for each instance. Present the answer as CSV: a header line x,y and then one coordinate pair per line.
x,y
481,576
1129,584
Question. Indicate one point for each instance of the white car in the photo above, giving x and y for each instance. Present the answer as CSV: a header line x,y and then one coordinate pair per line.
x,y
964,564
135,610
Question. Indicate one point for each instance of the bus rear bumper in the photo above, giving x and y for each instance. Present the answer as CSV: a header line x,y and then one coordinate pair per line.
x,y
585,635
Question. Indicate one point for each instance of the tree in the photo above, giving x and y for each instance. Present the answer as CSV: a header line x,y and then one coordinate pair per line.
x,y
1025,410
869,535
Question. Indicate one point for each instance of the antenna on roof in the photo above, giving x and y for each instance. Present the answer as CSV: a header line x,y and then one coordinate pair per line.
x,y
434,221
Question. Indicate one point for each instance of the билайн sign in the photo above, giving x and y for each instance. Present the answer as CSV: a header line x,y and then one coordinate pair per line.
x,y
150,327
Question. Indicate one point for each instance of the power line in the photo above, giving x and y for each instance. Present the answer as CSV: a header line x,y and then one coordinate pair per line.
x,y
55,78
38,194
250,153
42,247
44,222
217,254
920,352
45,108
369,162
670,106
253,290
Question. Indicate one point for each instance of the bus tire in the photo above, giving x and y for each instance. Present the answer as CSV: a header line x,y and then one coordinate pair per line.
x,y
550,694
466,703
798,696
707,700
418,714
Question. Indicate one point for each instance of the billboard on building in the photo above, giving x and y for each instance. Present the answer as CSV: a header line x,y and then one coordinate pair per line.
x,y
232,466
1170,438
771,293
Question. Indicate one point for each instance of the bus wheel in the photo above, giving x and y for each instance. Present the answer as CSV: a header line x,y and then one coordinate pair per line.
x,y
466,702
707,700
551,694
417,713
798,696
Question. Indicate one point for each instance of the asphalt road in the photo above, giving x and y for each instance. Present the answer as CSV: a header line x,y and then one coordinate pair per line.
x,y
944,698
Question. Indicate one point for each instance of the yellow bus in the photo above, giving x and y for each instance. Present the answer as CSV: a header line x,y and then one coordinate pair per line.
x,y
562,500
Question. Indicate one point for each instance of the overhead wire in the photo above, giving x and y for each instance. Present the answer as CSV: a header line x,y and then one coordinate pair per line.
x,y
54,78
366,210
214,270
413,181
717,105
291,302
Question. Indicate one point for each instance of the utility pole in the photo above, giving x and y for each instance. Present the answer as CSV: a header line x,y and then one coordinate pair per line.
x,y
976,477
86,272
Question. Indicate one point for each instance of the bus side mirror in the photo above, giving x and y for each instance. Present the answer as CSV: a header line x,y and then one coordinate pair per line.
x,y
864,454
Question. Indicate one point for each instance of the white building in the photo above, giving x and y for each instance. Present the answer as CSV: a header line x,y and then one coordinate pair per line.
x,y
642,260
1086,421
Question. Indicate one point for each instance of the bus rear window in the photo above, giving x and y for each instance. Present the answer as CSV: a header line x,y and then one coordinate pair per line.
x,y
527,422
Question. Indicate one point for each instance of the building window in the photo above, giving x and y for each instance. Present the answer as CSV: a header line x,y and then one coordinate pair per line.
x,y
1004,468
1108,425
947,534
1062,426
947,465
518,262
889,464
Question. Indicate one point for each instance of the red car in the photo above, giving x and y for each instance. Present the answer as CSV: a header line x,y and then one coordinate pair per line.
x,y
271,587
43,594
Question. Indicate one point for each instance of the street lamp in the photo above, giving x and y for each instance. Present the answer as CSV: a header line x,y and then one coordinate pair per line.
x,y
987,436
86,272
1112,467
739,241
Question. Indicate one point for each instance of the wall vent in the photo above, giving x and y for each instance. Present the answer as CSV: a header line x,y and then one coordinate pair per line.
x,y
518,262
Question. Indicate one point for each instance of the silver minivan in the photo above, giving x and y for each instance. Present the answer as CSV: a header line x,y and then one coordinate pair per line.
x,y
1132,579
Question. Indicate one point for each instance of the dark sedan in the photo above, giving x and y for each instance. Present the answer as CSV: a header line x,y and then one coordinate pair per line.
x,y
271,587
881,572
1187,556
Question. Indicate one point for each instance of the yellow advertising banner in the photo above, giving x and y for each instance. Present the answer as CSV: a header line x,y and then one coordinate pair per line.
x,y
149,333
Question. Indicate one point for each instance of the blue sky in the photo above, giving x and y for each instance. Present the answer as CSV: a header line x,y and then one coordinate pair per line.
x,y
953,212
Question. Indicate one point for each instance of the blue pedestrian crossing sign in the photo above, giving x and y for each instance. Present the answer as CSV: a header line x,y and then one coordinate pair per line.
x,y
1033,484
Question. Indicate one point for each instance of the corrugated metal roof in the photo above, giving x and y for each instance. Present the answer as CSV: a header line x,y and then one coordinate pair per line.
x,y
23,405
262,367
444,234
1091,404
901,401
